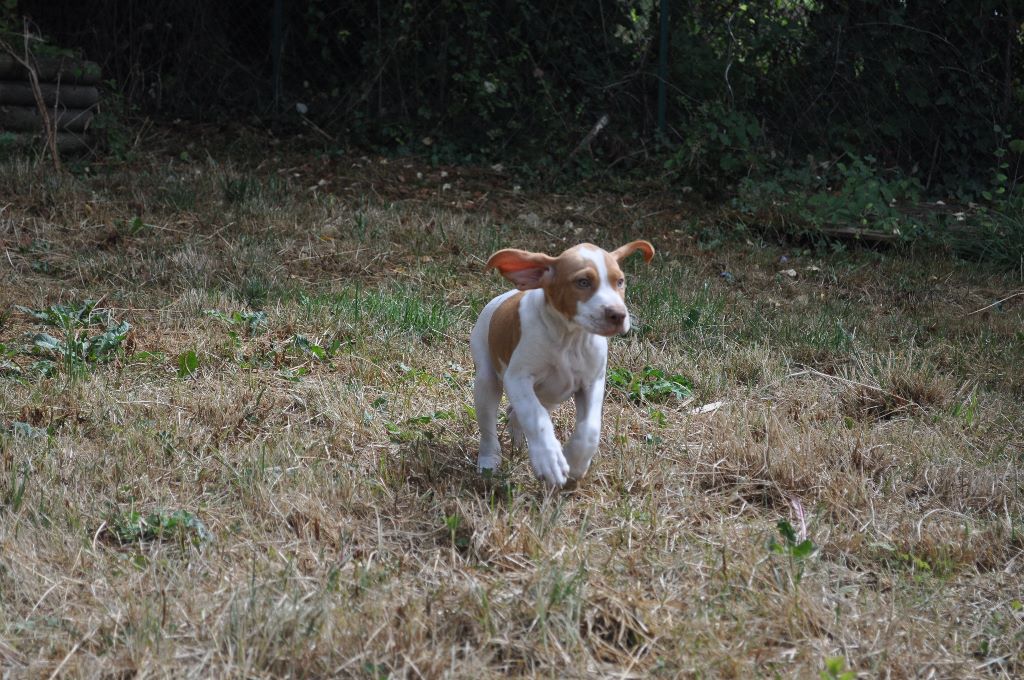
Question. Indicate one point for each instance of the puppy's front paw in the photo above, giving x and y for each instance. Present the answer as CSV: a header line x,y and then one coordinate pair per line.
x,y
550,465
579,455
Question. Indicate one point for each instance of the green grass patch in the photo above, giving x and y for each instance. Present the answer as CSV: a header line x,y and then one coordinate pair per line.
x,y
383,311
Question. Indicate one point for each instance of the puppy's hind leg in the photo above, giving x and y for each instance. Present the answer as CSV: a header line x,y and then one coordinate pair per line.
x,y
487,396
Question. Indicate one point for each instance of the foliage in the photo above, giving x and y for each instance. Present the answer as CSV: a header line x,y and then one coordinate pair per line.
x,y
791,544
79,348
796,547
76,349
853,196
67,317
835,669
916,85
306,346
849,192
188,364
929,89
251,323
651,385
492,79
9,20
179,525
720,145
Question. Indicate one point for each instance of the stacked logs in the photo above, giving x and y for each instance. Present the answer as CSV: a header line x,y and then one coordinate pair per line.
x,y
69,92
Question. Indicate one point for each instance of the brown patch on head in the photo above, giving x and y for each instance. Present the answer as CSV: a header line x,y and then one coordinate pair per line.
x,y
565,289
504,331
616,277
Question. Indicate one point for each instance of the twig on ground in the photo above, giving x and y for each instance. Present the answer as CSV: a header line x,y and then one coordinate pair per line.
x,y
997,302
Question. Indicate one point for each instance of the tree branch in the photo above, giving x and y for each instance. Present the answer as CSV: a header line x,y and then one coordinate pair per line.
x,y
28,63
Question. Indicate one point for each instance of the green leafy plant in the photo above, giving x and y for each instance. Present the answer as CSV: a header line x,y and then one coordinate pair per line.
x,y
967,410
415,428
791,545
251,322
68,317
794,546
994,233
237,190
178,525
453,524
938,562
308,347
77,348
110,127
835,669
188,364
1001,184
8,16
651,385
8,368
29,431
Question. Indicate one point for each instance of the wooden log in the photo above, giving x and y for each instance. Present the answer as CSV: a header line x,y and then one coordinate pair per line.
x,y
68,143
858,234
70,96
52,69
27,119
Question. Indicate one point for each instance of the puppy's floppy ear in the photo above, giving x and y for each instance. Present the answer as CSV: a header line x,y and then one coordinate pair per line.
x,y
620,254
525,269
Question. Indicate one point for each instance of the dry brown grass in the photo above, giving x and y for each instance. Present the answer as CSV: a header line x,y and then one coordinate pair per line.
x,y
352,536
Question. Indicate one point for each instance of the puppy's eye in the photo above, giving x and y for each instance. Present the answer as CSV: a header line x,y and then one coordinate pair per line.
x,y
620,283
583,283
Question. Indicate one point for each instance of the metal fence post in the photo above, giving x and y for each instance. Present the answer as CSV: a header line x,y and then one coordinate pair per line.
x,y
663,68
276,47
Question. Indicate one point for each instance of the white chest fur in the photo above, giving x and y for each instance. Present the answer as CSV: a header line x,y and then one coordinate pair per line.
x,y
568,371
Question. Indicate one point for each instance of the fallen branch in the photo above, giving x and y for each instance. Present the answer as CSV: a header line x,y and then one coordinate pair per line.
x,y
997,302
585,143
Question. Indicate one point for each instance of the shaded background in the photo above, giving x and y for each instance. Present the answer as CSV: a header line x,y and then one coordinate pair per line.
x,y
931,90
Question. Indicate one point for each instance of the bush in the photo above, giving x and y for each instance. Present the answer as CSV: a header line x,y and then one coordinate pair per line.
x,y
932,89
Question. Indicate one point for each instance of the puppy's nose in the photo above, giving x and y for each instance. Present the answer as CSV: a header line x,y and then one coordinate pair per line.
x,y
614,316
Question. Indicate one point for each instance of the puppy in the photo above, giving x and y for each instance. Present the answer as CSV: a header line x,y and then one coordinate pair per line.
x,y
545,342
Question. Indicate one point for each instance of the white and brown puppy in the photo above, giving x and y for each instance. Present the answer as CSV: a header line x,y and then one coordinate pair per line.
x,y
547,342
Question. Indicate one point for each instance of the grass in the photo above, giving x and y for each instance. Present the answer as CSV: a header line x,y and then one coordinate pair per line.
x,y
272,471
